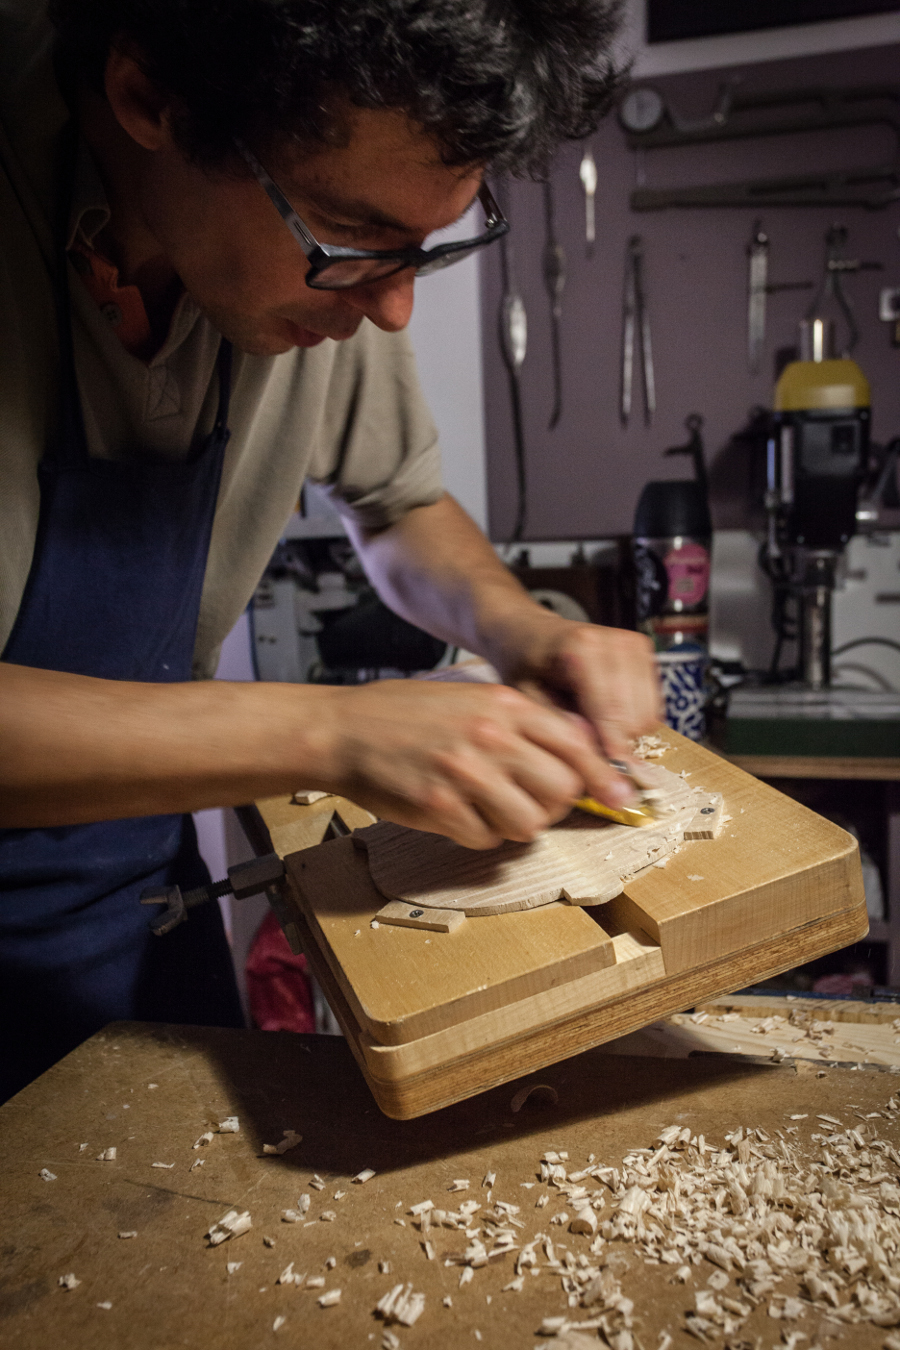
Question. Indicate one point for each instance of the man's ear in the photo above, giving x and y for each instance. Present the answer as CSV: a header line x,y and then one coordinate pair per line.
x,y
142,110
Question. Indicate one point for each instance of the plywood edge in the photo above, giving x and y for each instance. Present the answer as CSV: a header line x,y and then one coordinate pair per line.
x,y
454,1081
639,961
338,866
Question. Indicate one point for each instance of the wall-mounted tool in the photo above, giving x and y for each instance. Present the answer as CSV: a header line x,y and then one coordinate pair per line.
x,y
758,273
587,172
650,125
513,345
758,288
818,328
636,321
555,282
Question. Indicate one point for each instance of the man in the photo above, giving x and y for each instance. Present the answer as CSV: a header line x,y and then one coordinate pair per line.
x,y
196,201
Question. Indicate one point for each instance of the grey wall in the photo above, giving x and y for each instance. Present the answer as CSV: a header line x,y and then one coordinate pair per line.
x,y
586,475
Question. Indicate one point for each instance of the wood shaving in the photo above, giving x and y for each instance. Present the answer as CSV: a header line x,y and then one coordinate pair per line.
x,y
521,1097
306,796
268,1242
108,1155
105,1305
230,1125
365,1175
328,1300
233,1267
316,1282
198,1162
330,1262
278,1323
400,1304
327,1216
291,1140
128,1233
167,1167
68,1281
46,1175
205,1138
461,1184
230,1225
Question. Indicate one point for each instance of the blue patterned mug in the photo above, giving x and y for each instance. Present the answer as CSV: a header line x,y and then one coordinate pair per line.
x,y
682,672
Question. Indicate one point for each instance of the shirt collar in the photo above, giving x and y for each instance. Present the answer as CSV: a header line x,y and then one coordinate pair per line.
x,y
89,212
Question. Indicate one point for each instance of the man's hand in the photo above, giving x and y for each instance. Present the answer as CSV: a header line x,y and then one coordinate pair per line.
x,y
436,569
480,763
608,675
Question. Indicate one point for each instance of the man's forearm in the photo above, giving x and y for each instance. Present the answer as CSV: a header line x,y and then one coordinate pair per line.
x,y
437,569
75,749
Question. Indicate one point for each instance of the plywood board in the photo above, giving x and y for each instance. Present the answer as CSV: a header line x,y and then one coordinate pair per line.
x,y
404,983
583,860
430,1075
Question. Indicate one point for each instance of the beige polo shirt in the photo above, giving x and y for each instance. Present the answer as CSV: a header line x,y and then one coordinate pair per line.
x,y
348,414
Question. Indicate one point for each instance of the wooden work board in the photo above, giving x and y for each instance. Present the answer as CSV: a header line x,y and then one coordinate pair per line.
x,y
151,1091
434,1017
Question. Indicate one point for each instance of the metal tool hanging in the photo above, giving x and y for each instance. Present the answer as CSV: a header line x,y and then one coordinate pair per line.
x,y
816,329
758,288
758,255
513,323
635,319
555,282
587,172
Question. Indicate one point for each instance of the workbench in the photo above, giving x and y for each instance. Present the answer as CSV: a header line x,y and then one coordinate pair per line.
x,y
152,1091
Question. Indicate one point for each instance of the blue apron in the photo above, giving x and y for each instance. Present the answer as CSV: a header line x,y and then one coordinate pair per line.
x,y
114,591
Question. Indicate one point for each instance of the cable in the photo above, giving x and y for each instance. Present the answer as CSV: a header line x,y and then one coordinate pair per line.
x,y
866,642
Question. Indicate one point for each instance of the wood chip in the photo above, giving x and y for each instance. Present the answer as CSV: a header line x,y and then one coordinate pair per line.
x,y
291,1140
230,1225
329,1299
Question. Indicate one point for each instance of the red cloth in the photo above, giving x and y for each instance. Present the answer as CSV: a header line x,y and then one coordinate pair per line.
x,y
278,982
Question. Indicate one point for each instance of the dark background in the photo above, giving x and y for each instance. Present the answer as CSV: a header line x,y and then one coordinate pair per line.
x,y
672,19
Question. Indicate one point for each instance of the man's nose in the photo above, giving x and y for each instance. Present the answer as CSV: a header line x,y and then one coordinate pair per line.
x,y
388,303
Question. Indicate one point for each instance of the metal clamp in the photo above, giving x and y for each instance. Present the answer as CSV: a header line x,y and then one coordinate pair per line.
x,y
244,879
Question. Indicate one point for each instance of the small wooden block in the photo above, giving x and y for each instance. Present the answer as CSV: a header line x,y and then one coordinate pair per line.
x,y
707,823
410,916
309,795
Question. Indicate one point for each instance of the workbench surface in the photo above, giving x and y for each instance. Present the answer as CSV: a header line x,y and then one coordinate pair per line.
x,y
151,1091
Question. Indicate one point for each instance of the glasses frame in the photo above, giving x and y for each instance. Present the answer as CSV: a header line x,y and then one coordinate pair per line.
x,y
323,256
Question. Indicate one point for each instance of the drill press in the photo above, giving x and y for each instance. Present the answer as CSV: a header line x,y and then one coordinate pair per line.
x,y
816,461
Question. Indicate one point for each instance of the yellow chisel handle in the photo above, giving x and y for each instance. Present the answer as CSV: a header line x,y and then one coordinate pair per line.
x,y
625,815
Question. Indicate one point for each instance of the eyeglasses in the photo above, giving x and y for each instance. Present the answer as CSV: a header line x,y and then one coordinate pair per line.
x,y
333,268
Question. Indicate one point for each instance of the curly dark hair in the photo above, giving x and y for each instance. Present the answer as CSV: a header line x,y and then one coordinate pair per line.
x,y
496,82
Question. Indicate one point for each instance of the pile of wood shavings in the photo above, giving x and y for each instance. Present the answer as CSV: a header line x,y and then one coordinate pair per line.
x,y
651,747
824,1227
